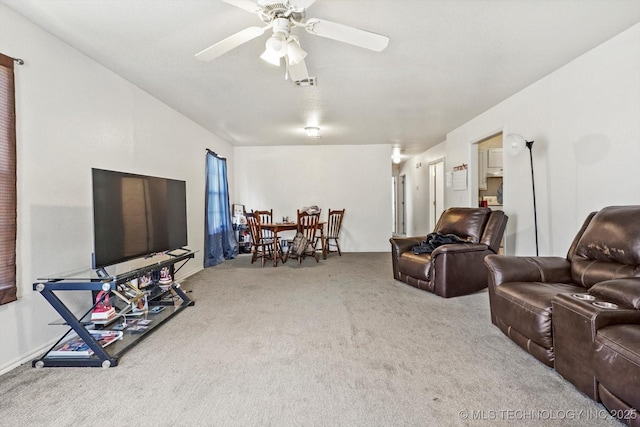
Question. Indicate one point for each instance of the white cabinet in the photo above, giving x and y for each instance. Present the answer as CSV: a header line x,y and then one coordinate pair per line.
x,y
494,162
482,169
489,165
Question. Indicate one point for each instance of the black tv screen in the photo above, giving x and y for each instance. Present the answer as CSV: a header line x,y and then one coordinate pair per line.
x,y
136,215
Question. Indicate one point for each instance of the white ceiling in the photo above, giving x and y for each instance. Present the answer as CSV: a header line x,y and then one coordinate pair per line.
x,y
447,61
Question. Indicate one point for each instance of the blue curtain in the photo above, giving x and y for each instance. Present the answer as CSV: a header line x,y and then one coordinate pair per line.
x,y
220,241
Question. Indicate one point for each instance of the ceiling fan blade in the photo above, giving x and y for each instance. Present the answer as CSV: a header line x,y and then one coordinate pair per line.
x,y
230,42
247,5
297,72
346,34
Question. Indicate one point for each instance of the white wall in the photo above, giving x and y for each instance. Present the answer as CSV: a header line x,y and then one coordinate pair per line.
x,y
353,177
72,115
585,121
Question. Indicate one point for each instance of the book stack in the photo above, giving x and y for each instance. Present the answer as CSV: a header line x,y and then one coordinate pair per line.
x,y
103,310
102,315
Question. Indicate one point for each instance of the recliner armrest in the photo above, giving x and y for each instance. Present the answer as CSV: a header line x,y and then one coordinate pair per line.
x,y
504,268
404,244
399,245
624,292
459,248
598,317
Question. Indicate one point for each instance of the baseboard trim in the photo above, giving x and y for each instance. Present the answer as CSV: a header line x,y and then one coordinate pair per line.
x,y
21,360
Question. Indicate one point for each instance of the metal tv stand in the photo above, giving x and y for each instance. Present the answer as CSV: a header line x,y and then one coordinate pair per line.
x,y
173,300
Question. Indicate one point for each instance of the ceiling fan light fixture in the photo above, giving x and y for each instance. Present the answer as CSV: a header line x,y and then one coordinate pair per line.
x,y
278,41
271,57
295,53
277,44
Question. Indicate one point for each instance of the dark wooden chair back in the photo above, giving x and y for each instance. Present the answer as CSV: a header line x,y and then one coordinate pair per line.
x,y
308,224
334,224
265,217
259,245
253,223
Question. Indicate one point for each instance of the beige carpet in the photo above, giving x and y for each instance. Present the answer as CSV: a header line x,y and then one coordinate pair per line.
x,y
339,343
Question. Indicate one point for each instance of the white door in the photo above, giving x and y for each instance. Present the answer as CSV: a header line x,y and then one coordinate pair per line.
x,y
401,212
394,197
436,192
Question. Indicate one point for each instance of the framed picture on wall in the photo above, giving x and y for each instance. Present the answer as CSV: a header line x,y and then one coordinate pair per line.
x,y
238,210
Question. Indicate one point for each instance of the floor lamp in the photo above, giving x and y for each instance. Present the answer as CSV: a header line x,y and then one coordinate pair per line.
x,y
516,143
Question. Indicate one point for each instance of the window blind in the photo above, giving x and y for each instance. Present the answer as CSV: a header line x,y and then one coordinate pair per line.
x,y
8,195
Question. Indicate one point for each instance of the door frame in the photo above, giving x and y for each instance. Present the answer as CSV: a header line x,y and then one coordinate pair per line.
x,y
401,206
436,191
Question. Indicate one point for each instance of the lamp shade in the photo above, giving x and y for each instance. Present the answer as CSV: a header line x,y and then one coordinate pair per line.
x,y
295,54
515,144
271,57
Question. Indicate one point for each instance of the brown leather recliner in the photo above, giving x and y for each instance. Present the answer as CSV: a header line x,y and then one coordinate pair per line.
x,y
616,350
453,269
521,289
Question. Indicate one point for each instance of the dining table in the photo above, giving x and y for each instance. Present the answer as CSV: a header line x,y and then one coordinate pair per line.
x,y
277,227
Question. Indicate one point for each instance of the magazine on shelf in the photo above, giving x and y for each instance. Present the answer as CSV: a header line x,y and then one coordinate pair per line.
x,y
156,309
76,347
138,325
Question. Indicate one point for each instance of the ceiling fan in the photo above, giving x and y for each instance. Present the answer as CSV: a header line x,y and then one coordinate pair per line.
x,y
281,17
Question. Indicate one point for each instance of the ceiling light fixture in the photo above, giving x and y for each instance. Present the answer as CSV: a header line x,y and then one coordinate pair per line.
x,y
271,57
295,54
396,158
312,132
277,45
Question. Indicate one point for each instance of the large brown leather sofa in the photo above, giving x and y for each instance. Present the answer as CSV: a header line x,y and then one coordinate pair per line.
x,y
453,269
580,314
521,289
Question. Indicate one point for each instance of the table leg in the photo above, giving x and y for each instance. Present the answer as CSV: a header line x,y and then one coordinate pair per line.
x,y
323,243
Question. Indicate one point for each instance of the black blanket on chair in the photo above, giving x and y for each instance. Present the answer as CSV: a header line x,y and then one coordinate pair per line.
x,y
433,240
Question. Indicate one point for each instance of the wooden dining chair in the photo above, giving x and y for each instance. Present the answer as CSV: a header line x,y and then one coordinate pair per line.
x,y
334,224
266,216
308,226
260,246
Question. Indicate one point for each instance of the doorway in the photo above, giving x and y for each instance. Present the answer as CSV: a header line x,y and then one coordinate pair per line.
x,y
436,192
394,200
401,214
490,171
490,174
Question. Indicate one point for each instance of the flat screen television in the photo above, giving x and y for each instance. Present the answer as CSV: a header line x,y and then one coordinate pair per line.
x,y
136,215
